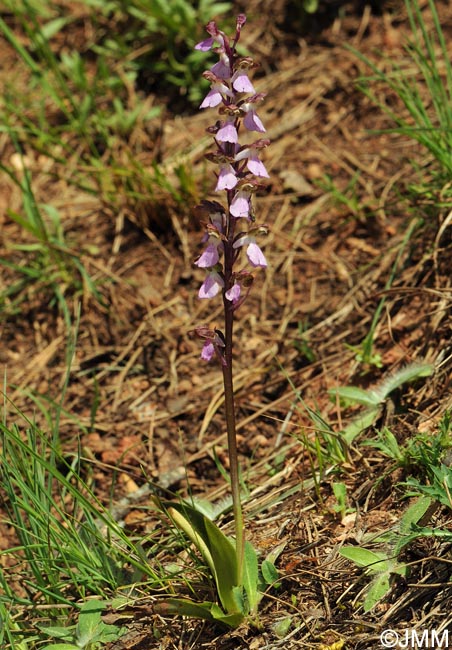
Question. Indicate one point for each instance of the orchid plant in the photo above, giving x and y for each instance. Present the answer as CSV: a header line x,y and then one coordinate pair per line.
x,y
229,228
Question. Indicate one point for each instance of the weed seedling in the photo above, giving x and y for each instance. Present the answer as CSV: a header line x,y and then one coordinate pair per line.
x,y
90,632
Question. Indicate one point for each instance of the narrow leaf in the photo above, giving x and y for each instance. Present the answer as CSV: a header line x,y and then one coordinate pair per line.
x,y
251,577
193,533
217,549
206,610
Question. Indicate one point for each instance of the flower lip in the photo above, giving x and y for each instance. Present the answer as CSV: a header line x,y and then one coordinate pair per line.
x,y
228,133
233,294
205,45
227,179
211,285
210,257
241,82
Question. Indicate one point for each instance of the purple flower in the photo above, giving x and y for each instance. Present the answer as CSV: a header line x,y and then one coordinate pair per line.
x,y
213,342
208,350
215,35
209,257
205,45
240,204
227,179
233,294
252,121
211,285
255,165
228,132
215,95
241,83
254,254
222,68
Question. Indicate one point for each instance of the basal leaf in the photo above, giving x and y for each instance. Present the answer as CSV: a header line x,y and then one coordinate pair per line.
x,y
89,621
206,610
191,523
225,562
185,607
251,577
217,550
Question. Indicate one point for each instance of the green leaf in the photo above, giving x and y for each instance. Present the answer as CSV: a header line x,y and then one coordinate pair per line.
x,y
282,627
387,443
275,553
359,424
409,373
310,6
89,621
57,632
182,521
414,513
54,26
251,577
185,607
91,628
217,550
206,610
225,561
362,557
379,587
269,572
355,395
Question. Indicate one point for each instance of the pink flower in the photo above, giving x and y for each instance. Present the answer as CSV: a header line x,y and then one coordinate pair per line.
x,y
215,35
209,257
211,285
228,132
215,95
222,69
240,204
227,179
252,121
233,294
241,83
213,342
254,254
254,164
211,347
205,45
208,350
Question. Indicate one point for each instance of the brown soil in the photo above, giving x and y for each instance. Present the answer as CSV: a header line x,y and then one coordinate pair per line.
x,y
159,417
